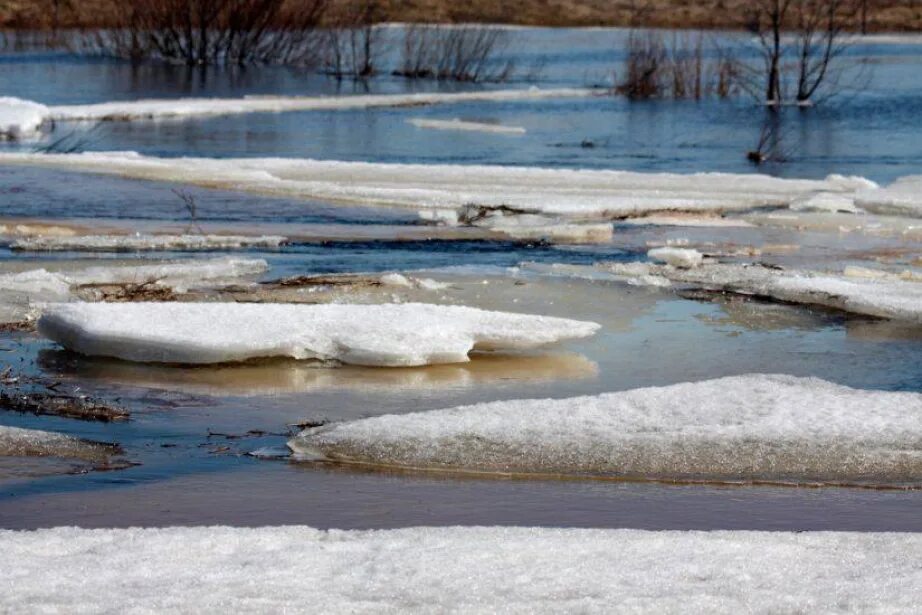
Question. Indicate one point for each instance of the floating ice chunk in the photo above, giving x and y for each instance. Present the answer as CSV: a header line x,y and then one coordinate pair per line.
x,y
135,243
901,198
886,298
383,335
398,279
687,220
178,275
20,118
184,107
677,257
581,195
743,428
16,442
38,283
457,124
458,569
825,202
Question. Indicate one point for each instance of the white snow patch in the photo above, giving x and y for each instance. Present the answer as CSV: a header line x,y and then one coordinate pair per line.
x,y
380,335
458,124
136,243
573,194
887,297
457,569
825,202
185,107
677,257
742,428
20,118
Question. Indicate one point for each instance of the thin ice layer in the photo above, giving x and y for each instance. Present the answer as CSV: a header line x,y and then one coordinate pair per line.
x,y
185,107
568,193
464,126
884,297
137,243
20,118
456,569
381,335
743,428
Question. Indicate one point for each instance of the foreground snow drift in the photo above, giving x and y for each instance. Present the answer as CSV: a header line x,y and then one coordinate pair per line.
x,y
884,296
744,428
572,194
137,243
185,107
20,118
480,569
383,335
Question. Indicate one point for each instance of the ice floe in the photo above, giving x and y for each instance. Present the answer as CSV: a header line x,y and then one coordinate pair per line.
x,y
685,258
380,335
16,442
457,569
20,118
186,107
400,280
881,296
744,428
583,195
901,198
457,124
137,243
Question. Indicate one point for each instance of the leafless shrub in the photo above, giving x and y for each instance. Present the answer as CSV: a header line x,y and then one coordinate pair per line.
x,y
770,146
201,32
351,42
459,53
190,205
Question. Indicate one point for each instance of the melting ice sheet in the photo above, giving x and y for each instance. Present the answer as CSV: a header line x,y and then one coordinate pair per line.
x,y
381,335
16,442
137,243
572,194
744,428
478,569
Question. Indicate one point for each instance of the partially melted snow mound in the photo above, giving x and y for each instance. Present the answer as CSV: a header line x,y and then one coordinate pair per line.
x,y
20,118
377,335
138,243
746,428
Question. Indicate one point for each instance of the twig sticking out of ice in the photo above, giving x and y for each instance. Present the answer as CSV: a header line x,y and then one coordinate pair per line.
x,y
185,107
137,243
582,195
457,124
380,335
20,118
886,297
16,442
744,428
458,569
685,258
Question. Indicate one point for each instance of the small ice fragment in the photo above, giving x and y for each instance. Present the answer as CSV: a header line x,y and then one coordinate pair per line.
x,y
677,257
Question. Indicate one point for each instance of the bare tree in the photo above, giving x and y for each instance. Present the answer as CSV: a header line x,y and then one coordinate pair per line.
x,y
458,53
352,42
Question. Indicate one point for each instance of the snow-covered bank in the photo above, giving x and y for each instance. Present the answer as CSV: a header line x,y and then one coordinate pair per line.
x,y
381,335
20,118
567,193
478,569
882,296
464,126
187,107
138,243
743,428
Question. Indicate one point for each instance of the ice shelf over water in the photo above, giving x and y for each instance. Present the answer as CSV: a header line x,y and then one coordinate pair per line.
x,y
455,569
744,428
882,296
457,124
20,118
380,335
186,107
583,195
137,243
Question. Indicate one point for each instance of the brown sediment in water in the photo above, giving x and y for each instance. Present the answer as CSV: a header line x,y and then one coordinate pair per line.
x,y
67,406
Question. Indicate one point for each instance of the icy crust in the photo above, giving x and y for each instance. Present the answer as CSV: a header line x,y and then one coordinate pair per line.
x,y
16,442
184,107
744,428
882,296
20,118
685,258
137,243
573,194
457,569
901,198
375,335
461,125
